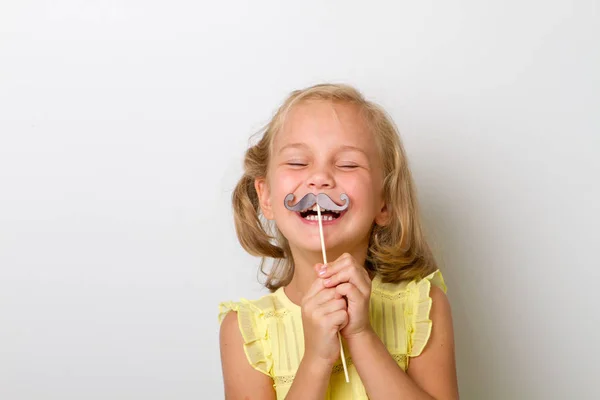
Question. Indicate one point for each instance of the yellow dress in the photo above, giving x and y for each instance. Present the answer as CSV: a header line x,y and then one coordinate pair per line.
x,y
271,327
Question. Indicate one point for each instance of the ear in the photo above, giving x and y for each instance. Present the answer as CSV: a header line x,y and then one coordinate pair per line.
x,y
383,216
264,197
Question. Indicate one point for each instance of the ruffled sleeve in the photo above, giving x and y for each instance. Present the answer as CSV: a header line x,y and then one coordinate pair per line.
x,y
418,307
254,332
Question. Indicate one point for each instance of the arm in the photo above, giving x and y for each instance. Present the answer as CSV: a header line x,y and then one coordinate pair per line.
x,y
310,382
432,375
242,381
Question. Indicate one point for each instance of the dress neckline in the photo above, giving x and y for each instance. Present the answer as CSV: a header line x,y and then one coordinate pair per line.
x,y
289,304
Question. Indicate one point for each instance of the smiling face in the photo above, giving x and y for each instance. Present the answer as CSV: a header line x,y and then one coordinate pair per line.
x,y
324,147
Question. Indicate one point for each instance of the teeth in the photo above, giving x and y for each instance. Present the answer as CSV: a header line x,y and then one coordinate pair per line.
x,y
316,218
314,208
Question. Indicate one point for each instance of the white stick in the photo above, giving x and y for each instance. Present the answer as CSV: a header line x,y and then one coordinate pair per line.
x,y
325,262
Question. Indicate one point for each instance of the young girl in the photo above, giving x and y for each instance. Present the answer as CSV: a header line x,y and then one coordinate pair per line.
x,y
381,289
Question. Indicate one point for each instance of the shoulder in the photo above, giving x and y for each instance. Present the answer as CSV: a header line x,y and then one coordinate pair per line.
x,y
440,315
243,306
411,291
440,305
414,299
422,294
229,333
245,320
230,336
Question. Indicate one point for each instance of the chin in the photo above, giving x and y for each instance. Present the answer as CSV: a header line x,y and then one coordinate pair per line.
x,y
308,247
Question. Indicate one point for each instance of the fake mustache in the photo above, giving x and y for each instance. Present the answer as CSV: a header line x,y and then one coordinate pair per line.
x,y
310,200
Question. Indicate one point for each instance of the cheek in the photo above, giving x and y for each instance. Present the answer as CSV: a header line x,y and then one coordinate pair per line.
x,y
283,184
359,187
363,191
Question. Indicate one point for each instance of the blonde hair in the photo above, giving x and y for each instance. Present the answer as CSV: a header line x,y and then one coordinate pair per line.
x,y
397,251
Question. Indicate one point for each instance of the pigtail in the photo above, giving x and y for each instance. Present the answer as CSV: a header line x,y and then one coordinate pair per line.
x,y
249,229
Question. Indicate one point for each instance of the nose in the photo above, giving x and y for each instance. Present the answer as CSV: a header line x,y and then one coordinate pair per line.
x,y
320,178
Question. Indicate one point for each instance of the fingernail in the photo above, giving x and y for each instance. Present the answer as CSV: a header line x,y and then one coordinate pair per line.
x,y
328,281
322,271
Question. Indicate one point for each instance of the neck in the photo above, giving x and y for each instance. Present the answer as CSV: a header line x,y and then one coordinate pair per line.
x,y
304,268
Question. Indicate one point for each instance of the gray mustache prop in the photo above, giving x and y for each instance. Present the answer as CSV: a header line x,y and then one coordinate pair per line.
x,y
310,200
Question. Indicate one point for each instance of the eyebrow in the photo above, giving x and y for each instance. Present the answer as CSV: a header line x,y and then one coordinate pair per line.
x,y
304,146
353,148
293,146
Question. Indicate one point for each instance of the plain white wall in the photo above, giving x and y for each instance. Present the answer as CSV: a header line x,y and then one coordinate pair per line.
x,y
122,130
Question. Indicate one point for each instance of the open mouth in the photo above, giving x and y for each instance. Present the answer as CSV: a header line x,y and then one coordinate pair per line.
x,y
311,214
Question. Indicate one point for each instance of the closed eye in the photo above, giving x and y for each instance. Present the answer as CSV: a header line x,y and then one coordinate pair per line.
x,y
295,164
348,166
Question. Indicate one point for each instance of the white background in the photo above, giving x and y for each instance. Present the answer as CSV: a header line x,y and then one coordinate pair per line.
x,y
122,130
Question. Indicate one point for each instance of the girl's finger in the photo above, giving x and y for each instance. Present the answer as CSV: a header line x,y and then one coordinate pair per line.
x,y
352,275
339,319
324,296
350,291
319,267
315,288
327,270
333,306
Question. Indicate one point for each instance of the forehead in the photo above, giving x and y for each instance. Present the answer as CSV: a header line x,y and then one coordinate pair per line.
x,y
326,122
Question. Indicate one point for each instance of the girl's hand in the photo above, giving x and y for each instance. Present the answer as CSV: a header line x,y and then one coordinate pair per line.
x,y
351,280
323,315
